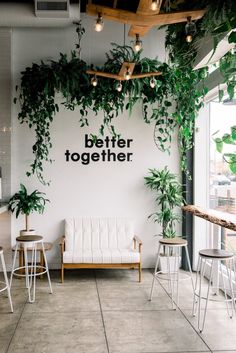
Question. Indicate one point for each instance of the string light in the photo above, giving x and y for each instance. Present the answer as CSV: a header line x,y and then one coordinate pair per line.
x,y
94,81
152,82
119,86
99,24
127,73
137,44
154,5
233,50
190,30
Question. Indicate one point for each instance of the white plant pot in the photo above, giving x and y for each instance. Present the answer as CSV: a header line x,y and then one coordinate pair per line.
x,y
27,232
175,262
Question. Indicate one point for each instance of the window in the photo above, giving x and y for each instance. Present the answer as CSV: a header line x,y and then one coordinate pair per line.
x,y
222,182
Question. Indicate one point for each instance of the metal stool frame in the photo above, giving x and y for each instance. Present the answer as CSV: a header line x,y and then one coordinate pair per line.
x,y
170,274
30,270
198,296
6,282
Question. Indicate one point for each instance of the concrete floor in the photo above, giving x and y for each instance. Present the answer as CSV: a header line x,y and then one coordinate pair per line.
x,y
107,311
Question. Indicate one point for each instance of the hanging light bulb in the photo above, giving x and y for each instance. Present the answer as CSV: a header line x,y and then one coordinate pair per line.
x,y
99,24
127,73
152,82
190,30
137,44
154,5
233,50
119,86
94,81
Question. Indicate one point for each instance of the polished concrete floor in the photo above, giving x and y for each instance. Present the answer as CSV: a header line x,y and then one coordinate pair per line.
x,y
107,311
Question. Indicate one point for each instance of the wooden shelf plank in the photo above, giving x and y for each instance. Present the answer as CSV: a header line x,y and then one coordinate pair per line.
x,y
121,78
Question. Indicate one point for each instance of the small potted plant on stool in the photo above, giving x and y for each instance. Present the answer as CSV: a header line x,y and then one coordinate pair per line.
x,y
169,195
24,203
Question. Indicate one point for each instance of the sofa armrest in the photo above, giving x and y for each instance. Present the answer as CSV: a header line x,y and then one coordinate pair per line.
x,y
62,244
137,240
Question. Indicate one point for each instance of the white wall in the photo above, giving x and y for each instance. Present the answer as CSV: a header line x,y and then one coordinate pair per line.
x,y
97,189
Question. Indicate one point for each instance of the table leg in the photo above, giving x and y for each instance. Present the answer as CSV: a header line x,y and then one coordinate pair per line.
x,y
216,245
42,263
21,260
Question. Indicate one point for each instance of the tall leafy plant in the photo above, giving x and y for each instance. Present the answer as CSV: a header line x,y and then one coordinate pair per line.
x,y
168,196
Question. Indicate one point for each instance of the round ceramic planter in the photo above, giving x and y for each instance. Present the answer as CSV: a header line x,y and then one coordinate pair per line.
x,y
28,232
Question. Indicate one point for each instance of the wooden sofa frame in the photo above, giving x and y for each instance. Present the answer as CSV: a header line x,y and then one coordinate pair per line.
x,y
94,265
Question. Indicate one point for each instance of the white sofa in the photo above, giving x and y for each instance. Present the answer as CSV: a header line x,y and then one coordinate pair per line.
x,y
100,243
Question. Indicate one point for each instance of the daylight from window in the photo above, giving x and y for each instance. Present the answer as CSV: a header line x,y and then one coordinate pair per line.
x,y
222,180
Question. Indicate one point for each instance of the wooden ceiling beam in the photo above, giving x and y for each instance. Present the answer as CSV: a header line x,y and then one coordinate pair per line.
x,y
144,8
143,20
141,30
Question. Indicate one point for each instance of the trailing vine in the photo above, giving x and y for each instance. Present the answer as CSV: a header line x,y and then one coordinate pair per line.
x,y
39,85
219,19
174,101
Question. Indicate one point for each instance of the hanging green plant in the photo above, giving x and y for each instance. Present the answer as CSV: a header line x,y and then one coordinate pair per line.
x,y
172,103
227,67
219,19
39,85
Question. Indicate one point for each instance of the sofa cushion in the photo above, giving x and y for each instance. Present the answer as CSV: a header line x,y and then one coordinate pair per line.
x,y
98,233
100,256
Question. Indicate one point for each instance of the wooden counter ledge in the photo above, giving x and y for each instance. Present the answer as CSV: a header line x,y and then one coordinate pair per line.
x,y
223,219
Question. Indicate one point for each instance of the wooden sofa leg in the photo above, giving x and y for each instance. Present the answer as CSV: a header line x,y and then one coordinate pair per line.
x,y
62,273
140,272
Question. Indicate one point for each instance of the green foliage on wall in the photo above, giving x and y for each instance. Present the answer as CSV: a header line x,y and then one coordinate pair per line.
x,y
218,21
173,104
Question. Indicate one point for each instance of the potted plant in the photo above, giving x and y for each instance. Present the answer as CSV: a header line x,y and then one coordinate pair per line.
x,y
169,195
25,203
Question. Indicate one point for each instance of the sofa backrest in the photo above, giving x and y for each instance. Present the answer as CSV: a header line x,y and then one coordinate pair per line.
x,y
98,233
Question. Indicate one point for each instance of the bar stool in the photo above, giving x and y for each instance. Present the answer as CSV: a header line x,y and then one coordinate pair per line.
x,y
174,246
30,270
5,283
213,256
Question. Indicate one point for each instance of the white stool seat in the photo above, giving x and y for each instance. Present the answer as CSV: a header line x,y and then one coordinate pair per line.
x,y
211,256
174,246
6,285
30,270
29,238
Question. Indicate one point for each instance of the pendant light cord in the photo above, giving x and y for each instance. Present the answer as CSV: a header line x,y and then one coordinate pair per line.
x,y
124,32
167,6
